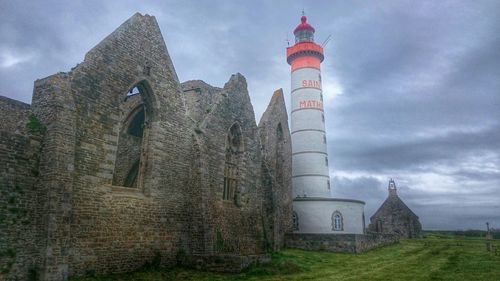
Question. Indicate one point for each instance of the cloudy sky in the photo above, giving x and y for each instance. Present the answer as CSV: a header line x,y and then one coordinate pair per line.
x,y
412,88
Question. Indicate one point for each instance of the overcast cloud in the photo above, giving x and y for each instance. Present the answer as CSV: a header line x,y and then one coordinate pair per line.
x,y
412,88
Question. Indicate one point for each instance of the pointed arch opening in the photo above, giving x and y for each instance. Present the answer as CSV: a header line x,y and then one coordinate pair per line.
x,y
131,179
136,113
233,155
337,221
136,125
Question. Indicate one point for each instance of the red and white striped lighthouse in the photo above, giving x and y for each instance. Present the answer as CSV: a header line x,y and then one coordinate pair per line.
x,y
310,159
315,210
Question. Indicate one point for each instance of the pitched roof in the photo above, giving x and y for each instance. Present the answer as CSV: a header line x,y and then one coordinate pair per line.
x,y
392,203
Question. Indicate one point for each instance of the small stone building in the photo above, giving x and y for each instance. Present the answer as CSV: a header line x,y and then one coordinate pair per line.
x,y
394,217
116,164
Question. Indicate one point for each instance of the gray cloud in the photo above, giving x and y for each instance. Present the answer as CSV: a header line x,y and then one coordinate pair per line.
x,y
400,153
411,87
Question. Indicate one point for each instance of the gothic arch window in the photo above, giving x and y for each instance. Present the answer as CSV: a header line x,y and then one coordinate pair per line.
x,y
136,125
132,92
131,179
295,221
234,151
337,221
133,136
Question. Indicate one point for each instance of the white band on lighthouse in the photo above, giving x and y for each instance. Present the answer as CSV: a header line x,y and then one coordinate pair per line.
x,y
310,176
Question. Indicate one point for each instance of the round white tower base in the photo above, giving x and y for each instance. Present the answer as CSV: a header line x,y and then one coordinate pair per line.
x,y
317,215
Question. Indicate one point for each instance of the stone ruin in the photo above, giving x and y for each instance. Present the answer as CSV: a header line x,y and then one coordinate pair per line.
x,y
115,164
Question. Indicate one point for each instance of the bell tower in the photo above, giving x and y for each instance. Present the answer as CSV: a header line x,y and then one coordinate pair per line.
x,y
392,188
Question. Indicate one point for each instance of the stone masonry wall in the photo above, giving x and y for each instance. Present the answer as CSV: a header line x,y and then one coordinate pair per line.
x,y
119,229
345,243
229,227
62,214
276,170
20,223
99,227
14,116
54,107
200,98
395,217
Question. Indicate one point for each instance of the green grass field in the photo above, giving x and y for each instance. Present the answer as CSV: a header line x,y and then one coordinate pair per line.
x,y
436,257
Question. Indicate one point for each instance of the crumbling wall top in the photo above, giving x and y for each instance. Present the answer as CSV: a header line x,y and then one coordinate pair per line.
x,y
14,115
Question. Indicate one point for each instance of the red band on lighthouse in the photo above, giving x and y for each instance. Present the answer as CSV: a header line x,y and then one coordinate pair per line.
x,y
302,62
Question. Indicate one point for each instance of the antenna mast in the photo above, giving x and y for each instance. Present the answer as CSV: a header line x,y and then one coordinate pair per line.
x,y
326,40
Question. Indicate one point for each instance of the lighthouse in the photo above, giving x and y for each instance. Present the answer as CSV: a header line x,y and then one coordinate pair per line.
x,y
315,210
310,159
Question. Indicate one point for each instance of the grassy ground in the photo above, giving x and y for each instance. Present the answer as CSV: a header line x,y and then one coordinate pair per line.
x,y
437,257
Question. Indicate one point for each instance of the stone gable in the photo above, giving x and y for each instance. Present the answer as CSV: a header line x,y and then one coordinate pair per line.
x,y
395,217
276,148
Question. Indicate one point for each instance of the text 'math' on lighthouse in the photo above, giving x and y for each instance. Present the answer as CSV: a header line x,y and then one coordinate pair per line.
x,y
315,211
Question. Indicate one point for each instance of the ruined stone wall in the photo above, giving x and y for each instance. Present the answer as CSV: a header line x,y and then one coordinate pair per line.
x,y
15,116
64,210
197,189
276,170
228,226
54,107
99,227
116,228
200,98
21,238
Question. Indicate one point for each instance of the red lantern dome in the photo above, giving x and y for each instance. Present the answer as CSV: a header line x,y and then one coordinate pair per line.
x,y
304,31
303,25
